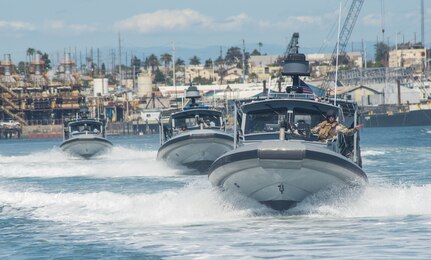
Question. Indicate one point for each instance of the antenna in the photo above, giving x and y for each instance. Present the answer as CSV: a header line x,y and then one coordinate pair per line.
x,y
422,24
345,33
383,20
336,61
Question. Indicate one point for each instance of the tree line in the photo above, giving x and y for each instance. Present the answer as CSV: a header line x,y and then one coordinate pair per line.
x,y
161,66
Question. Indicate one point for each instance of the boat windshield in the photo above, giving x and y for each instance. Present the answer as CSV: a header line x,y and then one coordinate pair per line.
x,y
190,121
89,127
300,120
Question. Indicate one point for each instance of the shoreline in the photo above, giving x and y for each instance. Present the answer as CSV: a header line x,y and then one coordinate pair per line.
x,y
56,131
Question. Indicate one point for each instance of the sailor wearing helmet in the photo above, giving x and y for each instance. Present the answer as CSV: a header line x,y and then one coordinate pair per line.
x,y
330,127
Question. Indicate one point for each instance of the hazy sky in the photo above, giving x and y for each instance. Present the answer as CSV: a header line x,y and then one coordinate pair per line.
x,y
55,25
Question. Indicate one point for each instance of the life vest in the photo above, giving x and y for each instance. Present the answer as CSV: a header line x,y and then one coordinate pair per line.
x,y
325,131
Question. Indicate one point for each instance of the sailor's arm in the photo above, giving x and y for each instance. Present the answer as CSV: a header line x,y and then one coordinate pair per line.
x,y
348,131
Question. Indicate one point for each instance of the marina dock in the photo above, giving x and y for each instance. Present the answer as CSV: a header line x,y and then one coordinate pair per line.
x,y
9,132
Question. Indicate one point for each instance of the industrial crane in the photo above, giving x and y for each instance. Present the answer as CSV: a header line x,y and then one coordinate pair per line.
x,y
293,45
345,33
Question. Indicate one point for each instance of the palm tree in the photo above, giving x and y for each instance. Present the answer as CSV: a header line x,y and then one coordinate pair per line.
x,y
195,60
103,69
219,61
209,63
233,56
135,63
260,46
255,53
30,53
46,60
166,58
179,67
153,62
179,62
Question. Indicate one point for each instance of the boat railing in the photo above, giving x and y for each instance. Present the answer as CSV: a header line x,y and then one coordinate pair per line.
x,y
275,135
292,96
281,95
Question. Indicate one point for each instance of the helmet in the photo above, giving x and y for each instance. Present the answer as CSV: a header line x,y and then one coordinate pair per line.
x,y
331,113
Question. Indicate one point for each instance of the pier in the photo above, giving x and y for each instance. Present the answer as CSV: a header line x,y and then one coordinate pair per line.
x,y
9,132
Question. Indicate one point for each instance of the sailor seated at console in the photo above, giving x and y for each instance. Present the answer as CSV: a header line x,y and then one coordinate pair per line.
x,y
209,123
302,128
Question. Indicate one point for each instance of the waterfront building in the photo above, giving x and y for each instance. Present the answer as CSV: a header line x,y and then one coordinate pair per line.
x,y
195,71
408,55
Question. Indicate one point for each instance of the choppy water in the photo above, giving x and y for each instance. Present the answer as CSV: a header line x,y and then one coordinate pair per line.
x,y
128,205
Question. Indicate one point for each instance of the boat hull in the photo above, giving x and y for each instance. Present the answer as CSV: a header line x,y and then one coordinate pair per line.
x,y
410,118
86,146
196,149
282,173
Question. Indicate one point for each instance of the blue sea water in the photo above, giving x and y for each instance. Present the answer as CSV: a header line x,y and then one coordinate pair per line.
x,y
127,205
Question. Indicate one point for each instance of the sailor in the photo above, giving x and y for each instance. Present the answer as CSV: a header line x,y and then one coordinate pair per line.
x,y
330,127
208,123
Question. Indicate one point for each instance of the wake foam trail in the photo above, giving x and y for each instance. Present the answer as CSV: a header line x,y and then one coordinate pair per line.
x,y
49,156
374,201
372,152
121,162
195,203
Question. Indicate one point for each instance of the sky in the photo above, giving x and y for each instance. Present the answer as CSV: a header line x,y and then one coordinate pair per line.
x,y
56,26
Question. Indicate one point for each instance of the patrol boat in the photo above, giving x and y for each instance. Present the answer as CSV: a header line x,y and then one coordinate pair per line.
x,y
84,136
276,160
194,137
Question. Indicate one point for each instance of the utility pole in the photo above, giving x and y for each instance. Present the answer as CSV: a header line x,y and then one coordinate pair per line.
x,y
422,24
132,63
425,63
91,61
119,58
113,61
98,62
383,21
173,72
80,61
364,53
126,73
243,61
221,67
